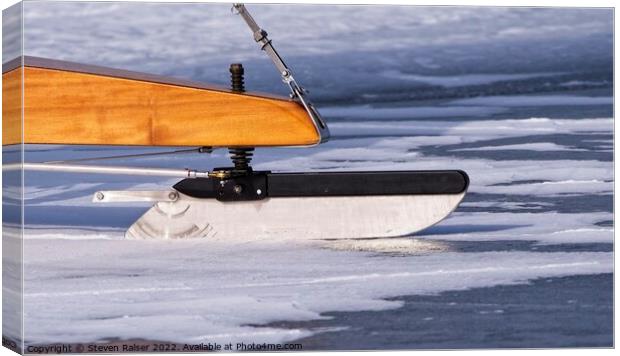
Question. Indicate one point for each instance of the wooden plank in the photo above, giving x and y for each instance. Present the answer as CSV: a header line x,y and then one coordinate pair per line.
x,y
67,103
12,107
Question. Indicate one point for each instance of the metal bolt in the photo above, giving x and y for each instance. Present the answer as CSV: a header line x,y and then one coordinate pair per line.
x,y
173,195
238,189
100,196
259,192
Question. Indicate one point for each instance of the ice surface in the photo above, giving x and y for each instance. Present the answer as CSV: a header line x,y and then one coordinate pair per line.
x,y
489,128
395,153
340,28
535,205
543,227
539,146
392,112
473,44
197,291
461,88
576,83
466,79
538,100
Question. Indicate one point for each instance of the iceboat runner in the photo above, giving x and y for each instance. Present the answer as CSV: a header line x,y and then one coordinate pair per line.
x,y
70,103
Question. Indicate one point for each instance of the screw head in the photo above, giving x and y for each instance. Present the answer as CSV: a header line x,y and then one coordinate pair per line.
x,y
173,195
238,189
259,192
100,196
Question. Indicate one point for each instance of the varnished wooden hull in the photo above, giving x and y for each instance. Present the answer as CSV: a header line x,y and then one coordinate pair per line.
x,y
69,103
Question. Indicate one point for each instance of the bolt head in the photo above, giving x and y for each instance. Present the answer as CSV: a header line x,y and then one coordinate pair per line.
x,y
100,196
259,192
173,195
238,189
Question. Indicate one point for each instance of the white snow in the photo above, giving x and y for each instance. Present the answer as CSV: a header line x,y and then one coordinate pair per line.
x,y
535,100
85,283
563,187
62,30
209,291
465,79
536,146
533,205
213,291
415,112
487,128
542,227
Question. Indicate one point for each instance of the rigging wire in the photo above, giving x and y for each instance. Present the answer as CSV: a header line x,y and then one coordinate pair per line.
x,y
203,149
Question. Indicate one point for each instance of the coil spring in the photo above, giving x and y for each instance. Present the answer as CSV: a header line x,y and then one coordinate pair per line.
x,y
241,158
236,77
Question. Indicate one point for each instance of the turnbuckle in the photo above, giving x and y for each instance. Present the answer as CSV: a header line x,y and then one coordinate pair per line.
x,y
297,91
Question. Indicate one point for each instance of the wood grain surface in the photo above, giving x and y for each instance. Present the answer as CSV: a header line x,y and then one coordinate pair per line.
x,y
67,103
12,107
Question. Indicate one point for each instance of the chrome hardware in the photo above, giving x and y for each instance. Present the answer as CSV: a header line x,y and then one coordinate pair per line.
x,y
124,196
297,91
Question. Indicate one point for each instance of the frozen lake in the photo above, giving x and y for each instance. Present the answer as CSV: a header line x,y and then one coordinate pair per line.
x,y
525,109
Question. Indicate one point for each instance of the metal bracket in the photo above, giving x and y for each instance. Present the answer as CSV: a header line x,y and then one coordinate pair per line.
x,y
297,91
125,196
237,188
